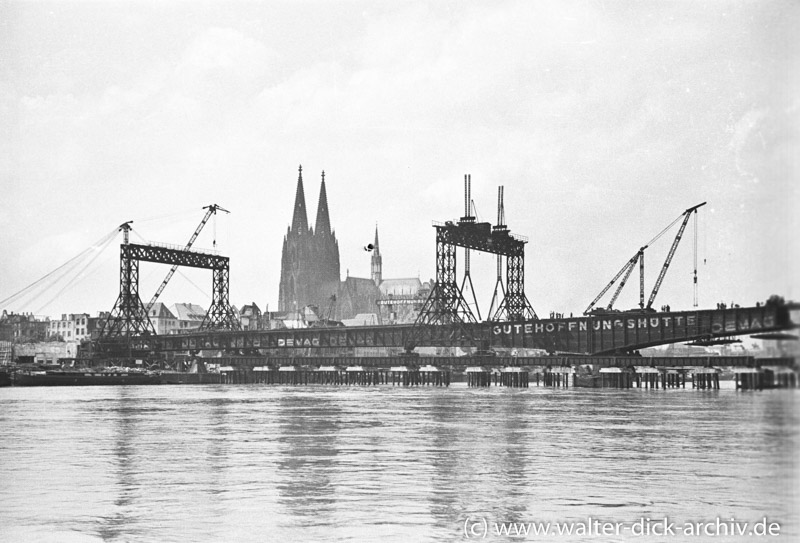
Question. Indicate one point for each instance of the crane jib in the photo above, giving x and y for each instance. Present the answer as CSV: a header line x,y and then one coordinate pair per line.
x,y
627,269
211,210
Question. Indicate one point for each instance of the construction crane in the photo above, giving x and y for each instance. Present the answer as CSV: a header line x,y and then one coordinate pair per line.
x,y
627,269
331,308
326,320
211,210
686,215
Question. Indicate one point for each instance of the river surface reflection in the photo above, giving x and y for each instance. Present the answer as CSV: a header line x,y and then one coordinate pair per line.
x,y
268,463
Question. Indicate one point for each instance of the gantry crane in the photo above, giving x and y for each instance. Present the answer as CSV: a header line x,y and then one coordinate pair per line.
x,y
639,258
211,210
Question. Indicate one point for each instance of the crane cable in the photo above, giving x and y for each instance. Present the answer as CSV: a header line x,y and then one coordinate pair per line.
x,y
200,289
664,231
78,276
648,244
72,262
695,259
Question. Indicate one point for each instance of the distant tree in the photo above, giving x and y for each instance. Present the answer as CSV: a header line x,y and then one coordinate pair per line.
x,y
775,300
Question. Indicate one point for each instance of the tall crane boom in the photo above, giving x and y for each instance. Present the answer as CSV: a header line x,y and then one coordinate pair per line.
x,y
631,264
686,215
628,267
211,210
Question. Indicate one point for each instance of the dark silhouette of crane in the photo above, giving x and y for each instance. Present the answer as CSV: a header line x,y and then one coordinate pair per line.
x,y
686,215
211,210
626,269
639,258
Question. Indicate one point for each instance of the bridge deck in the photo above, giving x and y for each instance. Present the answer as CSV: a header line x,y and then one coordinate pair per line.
x,y
598,334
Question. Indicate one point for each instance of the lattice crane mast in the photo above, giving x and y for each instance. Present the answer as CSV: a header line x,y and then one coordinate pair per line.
x,y
686,215
626,270
211,210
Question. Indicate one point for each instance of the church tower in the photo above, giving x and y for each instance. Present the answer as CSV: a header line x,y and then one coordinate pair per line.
x,y
294,254
327,248
377,261
310,258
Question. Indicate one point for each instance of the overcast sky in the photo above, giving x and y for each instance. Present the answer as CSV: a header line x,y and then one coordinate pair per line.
x,y
604,120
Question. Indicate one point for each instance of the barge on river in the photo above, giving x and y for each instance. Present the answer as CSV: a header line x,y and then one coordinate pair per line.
x,y
82,378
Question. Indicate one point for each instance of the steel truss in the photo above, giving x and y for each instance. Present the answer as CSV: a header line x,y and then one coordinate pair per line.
x,y
446,303
129,317
515,305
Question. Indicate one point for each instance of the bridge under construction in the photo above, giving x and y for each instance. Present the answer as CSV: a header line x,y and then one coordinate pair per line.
x,y
445,319
615,333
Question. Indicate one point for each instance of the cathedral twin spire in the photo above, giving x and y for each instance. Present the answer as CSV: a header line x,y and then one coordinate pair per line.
x,y
300,217
323,226
310,257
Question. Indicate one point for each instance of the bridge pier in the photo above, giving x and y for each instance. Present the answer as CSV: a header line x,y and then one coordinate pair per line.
x,y
705,378
749,378
264,375
674,377
557,376
514,377
478,377
646,376
355,375
433,376
514,372
616,378
779,377
328,375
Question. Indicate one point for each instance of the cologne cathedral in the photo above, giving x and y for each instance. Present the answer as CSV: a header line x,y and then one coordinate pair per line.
x,y
310,274
310,258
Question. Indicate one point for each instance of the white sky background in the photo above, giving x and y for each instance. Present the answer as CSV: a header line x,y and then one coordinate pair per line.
x,y
603,120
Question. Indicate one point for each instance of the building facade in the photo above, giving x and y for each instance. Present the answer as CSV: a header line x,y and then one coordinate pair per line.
x,y
399,300
22,327
71,327
164,321
188,316
250,317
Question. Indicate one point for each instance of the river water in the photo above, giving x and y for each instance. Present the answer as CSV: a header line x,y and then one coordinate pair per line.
x,y
270,463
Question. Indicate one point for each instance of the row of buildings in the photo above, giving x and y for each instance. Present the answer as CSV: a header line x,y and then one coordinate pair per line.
x,y
20,328
28,328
